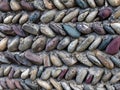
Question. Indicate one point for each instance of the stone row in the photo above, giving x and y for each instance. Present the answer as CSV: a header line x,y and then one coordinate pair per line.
x,y
54,29
52,84
109,43
42,5
81,75
59,58
64,16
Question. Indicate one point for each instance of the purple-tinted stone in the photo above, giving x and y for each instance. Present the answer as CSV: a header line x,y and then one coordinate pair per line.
x,y
26,6
10,84
18,85
105,13
11,73
52,44
11,57
3,84
114,46
18,30
34,58
98,28
62,74
89,79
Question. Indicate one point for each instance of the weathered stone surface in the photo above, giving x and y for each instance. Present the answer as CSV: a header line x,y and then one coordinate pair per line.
x,y
52,44
22,60
18,30
44,29
84,28
13,43
46,60
94,60
59,16
3,44
107,75
4,5
115,78
66,58
108,29
105,13
58,4
71,31
81,75
25,43
63,43
33,57
56,73
98,72
27,6
15,5
46,74
104,60
25,73
18,85
89,78
39,44
39,5
114,2
7,70
48,16
8,19
10,84
31,84
23,18
116,27
71,73
84,45
70,16
91,3
55,59
81,3
105,42
98,28
44,84
83,59
57,28
91,16
115,60
56,84
31,28
72,45
83,15
100,2
34,17
65,86
95,44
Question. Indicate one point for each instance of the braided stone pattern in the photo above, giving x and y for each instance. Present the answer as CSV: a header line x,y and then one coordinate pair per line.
x,y
59,44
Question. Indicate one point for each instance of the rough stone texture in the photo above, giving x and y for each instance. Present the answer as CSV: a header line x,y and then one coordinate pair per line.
x,y
59,44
